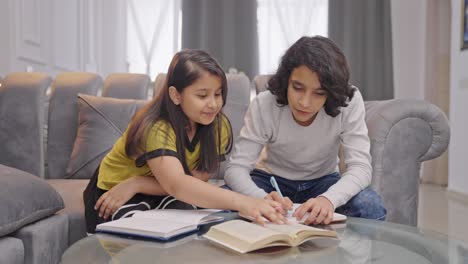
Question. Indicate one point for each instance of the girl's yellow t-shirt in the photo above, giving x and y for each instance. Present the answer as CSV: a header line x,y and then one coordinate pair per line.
x,y
161,141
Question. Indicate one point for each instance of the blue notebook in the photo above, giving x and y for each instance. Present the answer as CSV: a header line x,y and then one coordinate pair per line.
x,y
161,225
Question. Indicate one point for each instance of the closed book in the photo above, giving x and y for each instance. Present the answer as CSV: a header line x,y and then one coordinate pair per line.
x,y
163,225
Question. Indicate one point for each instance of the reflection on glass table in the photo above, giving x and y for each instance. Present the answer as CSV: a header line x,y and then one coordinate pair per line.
x,y
361,241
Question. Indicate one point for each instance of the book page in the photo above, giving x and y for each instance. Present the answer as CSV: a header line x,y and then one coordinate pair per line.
x,y
300,233
294,229
246,231
243,236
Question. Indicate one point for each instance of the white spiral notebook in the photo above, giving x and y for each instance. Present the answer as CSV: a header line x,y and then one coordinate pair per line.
x,y
165,224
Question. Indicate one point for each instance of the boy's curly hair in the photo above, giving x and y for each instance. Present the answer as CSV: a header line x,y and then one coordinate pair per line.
x,y
322,56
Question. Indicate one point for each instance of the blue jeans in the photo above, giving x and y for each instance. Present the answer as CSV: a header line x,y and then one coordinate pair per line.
x,y
366,204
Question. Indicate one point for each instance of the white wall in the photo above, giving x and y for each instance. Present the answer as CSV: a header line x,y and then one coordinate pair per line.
x,y
4,41
53,36
111,35
421,56
437,77
458,150
408,40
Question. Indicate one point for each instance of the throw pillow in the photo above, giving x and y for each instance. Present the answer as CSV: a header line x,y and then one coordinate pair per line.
x,y
102,120
25,198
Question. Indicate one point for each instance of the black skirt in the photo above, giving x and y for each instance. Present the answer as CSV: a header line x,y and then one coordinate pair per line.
x,y
139,202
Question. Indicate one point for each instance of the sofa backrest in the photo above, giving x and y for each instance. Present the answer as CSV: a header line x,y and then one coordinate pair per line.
x,y
22,97
158,83
260,82
49,125
63,117
238,101
126,86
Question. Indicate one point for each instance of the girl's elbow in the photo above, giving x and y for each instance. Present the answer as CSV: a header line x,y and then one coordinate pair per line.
x,y
174,187
171,189
169,186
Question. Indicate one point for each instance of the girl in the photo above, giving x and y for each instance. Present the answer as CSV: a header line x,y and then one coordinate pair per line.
x,y
309,110
170,148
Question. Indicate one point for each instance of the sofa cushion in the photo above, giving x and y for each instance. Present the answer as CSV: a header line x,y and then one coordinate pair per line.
x,y
25,199
72,195
44,241
11,250
101,122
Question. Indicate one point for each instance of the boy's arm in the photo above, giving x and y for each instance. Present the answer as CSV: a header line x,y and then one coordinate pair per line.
x,y
241,163
253,136
356,149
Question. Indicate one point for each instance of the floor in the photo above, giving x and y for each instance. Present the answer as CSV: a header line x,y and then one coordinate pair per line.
x,y
443,211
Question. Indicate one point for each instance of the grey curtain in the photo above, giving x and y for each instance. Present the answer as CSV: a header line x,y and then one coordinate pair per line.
x,y
362,28
226,29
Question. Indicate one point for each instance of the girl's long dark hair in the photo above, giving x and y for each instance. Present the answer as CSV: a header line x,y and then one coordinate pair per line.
x,y
185,68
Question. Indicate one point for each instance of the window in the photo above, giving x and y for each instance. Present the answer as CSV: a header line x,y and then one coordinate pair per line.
x,y
153,35
282,22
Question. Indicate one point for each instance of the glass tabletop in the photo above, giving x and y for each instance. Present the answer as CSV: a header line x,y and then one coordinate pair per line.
x,y
361,241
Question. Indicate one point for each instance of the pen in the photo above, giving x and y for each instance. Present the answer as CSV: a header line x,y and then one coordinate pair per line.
x,y
276,186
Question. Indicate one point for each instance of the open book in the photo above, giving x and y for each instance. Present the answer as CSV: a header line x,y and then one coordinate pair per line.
x,y
243,236
165,225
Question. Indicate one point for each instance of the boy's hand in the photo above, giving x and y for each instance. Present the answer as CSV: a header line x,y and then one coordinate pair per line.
x,y
113,199
320,208
286,203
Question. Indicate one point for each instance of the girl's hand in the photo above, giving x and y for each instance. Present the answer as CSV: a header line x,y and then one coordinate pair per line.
x,y
113,199
320,208
261,210
285,202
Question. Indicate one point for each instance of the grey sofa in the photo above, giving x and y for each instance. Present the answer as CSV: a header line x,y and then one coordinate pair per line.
x,y
53,134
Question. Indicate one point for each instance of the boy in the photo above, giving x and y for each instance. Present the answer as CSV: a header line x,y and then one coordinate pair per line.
x,y
309,110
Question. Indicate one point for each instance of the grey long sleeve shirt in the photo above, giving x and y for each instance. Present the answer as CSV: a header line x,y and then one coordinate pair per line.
x,y
296,152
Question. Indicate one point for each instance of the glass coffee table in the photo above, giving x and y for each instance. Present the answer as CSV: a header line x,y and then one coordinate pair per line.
x,y
361,241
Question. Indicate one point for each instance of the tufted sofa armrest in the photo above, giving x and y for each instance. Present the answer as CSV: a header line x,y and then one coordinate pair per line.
x,y
403,134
